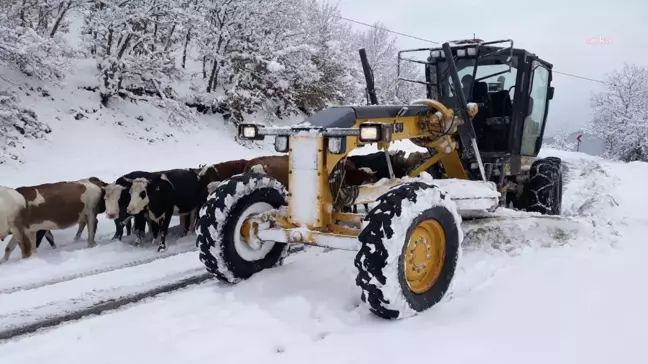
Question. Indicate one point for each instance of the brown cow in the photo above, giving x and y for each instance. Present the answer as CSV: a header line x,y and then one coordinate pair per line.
x,y
277,167
409,163
355,176
219,172
54,206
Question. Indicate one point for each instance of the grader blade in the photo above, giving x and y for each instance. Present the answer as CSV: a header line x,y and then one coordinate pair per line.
x,y
473,198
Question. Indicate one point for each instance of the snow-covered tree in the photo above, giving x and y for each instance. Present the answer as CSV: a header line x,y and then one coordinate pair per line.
x,y
282,56
16,124
338,81
46,17
561,140
132,42
621,114
382,54
35,55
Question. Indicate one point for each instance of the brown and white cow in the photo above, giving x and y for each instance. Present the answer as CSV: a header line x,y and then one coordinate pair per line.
x,y
55,206
11,205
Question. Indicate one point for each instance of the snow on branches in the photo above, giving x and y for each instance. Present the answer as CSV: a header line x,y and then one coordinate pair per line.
x,y
382,54
15,124
621,114
283,56
133,42
30,52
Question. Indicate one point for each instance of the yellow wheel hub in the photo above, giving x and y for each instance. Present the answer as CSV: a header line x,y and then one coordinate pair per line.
x,y
424,256
246,228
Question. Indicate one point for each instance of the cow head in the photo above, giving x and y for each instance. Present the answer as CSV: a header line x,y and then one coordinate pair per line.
x,y
357,176
112,195
207,175
139,197
415,159
212,186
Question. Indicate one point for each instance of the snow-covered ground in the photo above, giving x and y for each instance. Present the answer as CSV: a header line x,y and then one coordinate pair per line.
x,y
527,291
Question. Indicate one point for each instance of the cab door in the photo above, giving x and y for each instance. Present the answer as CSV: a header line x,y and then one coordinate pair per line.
x,y
537,107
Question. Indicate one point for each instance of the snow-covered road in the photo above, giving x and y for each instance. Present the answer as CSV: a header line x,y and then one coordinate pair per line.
x,y
527,292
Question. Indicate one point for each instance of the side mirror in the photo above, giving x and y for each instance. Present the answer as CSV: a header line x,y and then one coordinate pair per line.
x,y
550,93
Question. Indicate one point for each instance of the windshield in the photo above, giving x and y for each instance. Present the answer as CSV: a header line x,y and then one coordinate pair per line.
x,y
488,72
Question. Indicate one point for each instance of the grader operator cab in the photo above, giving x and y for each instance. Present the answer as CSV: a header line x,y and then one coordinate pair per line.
x,y
408,242
512,89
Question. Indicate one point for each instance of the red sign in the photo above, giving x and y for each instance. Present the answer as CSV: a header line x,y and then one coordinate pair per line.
x,y
579,138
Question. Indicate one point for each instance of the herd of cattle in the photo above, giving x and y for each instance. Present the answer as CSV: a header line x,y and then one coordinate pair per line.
x,y
149,198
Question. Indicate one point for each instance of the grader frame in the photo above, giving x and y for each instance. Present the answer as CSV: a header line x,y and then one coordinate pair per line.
x,y
427,122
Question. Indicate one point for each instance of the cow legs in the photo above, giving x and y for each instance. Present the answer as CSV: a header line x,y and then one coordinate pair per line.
x,y
50,238
188,222
184,222
164,229
192,219
92,229
128,226
119,230
82,225
39,237
154,226
47,234
138,228
121,222
11,245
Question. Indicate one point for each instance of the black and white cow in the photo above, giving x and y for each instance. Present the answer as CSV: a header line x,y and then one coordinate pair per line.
x,y
117,198
172,193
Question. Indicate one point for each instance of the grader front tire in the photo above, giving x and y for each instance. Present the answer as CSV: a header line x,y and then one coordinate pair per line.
x,y
409,251
222,241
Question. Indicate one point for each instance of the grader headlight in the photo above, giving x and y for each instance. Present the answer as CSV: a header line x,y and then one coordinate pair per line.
x,y
337,145
281,143
249,131
375,132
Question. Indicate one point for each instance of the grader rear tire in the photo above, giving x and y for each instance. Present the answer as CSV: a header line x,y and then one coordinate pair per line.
x,y
409,250
543,191
221,240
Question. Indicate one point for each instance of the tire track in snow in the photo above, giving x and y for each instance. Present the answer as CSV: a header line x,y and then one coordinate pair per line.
x,y
70,277
101,307
113,303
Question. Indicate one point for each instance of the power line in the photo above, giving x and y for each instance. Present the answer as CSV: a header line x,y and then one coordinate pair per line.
x,y
433,42
389,31
581,77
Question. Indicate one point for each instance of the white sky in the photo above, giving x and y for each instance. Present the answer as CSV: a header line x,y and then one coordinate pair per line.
x,y
555,30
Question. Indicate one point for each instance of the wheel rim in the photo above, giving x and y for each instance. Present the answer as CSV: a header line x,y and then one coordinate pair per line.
x,y
241,235
424,256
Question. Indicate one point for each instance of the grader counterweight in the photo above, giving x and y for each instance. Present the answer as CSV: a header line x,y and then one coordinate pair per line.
x,y
409,241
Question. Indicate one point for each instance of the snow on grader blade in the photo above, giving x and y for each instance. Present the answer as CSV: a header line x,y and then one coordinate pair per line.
x,y
409,241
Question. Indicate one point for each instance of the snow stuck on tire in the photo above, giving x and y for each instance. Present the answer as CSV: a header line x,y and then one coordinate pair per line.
x,y
384,238
214,217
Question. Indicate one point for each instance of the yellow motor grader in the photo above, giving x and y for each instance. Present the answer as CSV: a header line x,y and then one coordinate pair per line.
x,y
408,243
